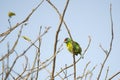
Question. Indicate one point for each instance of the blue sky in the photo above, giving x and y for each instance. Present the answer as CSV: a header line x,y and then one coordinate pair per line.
x,y
83,17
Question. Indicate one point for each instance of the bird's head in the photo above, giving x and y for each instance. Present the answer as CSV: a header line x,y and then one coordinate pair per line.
x,y
67,40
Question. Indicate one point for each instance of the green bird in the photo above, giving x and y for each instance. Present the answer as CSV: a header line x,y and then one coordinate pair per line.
x,y
73,46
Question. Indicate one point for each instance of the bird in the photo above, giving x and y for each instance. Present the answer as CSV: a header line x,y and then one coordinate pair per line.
x,y
73,47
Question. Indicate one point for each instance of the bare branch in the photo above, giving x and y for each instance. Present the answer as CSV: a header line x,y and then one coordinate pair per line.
x,y
38,52
3,38
74,64
85,70
111,43
24,69
105,51
15,44
3,69
87,45
114,75
107,73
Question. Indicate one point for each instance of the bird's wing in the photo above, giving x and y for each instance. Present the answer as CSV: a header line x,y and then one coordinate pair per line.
x,y
77,47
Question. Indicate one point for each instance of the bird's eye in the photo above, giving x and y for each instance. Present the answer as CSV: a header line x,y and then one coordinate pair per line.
x,y
66,39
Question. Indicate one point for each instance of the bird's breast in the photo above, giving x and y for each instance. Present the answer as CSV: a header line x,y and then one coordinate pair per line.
x,y
70,47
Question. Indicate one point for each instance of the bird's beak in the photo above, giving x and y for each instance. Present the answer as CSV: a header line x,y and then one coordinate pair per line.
x,y
64,41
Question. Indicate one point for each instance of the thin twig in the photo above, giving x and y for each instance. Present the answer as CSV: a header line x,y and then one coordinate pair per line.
x,y
105,51
3,69
65,73
38,52
3,38
9,54
13,48
7,34
114,75
24,69
83,74
8,58
11,75
90,72
74,64
111,43
107,73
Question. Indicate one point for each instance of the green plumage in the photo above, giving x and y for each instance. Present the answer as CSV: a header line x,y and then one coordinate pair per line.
x,y
73,46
